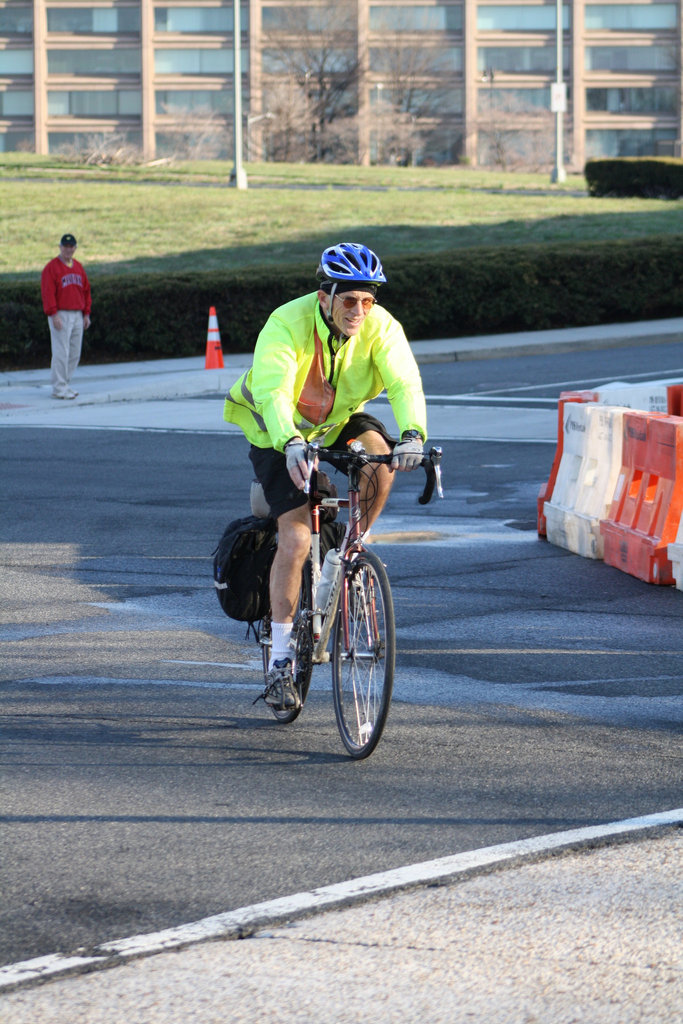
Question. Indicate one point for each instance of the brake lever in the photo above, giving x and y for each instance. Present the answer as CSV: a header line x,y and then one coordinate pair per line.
x,y
437,452
312,450
432,468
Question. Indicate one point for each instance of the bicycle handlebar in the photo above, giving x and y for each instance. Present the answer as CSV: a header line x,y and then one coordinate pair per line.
x,y
431,464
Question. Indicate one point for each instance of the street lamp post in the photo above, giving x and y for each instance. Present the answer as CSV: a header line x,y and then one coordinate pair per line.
x,y
558,97
238,177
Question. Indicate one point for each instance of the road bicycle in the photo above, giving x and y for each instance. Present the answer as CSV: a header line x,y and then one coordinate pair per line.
x,y
357,613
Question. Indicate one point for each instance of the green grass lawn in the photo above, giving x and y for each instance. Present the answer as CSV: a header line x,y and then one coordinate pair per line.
x,y
170,218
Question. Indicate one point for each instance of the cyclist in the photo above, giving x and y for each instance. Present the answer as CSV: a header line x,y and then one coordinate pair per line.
x,y
317,361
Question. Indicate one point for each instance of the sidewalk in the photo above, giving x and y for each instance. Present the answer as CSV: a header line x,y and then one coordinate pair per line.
x,y
24,390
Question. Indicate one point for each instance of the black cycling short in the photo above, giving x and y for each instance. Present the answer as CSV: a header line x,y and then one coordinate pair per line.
x,y
270,466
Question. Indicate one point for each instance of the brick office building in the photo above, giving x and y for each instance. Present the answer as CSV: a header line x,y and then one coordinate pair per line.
x,y
356,80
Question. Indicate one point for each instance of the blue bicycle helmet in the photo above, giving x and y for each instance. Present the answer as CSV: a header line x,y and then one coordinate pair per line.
x,y
350,262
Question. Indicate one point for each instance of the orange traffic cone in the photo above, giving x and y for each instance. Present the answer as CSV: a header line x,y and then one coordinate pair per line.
x,y
214,352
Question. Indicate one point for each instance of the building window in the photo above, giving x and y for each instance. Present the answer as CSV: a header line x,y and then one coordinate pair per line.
x,y
440,18
658,100
93,20
513,101
522,60
418,102
82,141
196,62
95,103
16,62
611,142
286,18
169,101
437,60
520,18
196,19
93,62
444,146
631,17
16,21
16,104
182,143
286,62
10,142
421,102
630,58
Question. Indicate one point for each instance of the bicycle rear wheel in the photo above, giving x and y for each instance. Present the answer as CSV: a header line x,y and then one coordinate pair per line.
x,y
363,654
302,634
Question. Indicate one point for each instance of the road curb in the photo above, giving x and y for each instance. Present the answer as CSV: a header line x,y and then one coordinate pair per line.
x,y
245,921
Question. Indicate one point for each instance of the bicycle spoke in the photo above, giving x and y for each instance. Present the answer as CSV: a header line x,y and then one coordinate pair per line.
x,y
364,651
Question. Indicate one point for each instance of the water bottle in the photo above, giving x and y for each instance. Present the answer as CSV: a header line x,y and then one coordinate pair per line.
x,y
328,574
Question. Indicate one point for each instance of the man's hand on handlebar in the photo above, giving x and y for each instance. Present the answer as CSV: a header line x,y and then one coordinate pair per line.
x,y
408,452
297,465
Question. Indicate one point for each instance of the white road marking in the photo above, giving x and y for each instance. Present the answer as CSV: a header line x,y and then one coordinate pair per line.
x,y
236,923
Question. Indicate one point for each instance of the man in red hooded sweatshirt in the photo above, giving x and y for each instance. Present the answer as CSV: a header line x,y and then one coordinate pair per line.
x,y
65,290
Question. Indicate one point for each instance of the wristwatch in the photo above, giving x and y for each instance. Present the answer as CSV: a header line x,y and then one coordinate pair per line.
x,y
412,435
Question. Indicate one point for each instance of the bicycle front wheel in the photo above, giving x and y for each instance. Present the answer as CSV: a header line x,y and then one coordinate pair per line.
x,y
363,654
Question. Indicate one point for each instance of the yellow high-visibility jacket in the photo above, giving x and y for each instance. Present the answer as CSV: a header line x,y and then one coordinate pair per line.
x,y
263,402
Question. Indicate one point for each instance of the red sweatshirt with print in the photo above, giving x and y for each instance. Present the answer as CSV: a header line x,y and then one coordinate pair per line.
x,y
64,287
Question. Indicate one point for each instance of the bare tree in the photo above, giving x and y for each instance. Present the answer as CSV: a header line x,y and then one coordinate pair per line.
x,y
196,134
311,87
514,134
418,93
105,149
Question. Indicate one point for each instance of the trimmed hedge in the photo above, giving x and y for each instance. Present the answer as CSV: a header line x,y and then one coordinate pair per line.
x,y
650,178
465,292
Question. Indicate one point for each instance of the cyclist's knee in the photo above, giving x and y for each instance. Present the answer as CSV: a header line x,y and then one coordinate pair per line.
x,y
294,534
374,443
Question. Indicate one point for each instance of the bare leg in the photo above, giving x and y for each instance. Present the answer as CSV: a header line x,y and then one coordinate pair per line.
x,y
293,546
376,481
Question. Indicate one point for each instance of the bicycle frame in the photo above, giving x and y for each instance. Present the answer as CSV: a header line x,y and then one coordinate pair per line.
x,y
323,618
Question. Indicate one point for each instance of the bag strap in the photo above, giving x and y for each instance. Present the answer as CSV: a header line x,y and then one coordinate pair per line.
x,y
317,395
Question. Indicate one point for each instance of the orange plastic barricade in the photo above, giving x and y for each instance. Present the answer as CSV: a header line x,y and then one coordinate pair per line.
x,y
546,491
648,498
675,399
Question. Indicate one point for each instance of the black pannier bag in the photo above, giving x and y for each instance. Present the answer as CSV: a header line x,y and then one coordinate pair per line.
x,y
245,552
241,567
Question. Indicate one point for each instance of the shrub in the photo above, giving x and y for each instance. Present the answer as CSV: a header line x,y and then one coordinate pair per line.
x,y
650,178
466,292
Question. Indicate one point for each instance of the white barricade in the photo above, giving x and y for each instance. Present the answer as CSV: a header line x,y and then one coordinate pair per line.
x,y
675,554
650,397
586,478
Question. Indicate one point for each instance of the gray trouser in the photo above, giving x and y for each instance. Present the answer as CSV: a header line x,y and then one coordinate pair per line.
x,y
66,347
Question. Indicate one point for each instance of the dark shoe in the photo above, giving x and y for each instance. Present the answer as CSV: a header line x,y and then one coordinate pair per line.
x,y
281,693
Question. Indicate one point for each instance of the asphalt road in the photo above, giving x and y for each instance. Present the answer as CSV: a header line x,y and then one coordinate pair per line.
x,y
536,690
